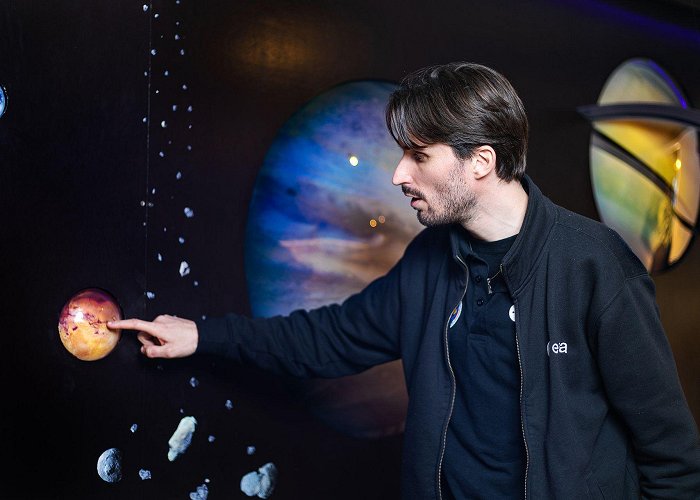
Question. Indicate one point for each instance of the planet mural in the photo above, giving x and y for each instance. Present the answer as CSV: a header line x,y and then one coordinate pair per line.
x,y
82,324
324,221
645,166
3,100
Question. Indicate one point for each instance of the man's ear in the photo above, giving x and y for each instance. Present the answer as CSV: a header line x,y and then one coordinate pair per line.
x,y
483,161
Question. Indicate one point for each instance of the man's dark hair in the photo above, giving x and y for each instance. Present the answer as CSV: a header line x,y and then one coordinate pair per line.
x,y
463,105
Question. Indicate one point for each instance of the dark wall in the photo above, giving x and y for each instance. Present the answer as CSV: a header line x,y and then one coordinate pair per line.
x,y
77,161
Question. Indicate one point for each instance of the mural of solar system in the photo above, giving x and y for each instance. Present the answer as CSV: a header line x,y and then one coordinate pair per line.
x,y
198,158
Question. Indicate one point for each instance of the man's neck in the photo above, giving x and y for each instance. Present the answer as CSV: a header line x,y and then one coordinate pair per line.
x,y
500,212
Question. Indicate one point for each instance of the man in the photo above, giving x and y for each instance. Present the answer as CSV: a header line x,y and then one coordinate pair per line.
x,y
535,360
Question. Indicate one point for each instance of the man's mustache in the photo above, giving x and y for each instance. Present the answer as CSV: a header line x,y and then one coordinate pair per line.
x,y
409,192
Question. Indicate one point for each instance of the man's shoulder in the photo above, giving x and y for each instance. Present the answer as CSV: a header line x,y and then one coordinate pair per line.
x,y
585,238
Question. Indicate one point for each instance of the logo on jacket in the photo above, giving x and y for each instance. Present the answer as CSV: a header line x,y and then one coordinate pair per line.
x,y
456,312
511,313
557,348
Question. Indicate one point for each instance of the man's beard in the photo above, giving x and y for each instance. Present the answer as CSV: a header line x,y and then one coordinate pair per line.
x,y
452,201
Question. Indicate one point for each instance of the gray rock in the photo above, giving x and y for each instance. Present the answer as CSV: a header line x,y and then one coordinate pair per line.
x,y
260,483
109,465
182,437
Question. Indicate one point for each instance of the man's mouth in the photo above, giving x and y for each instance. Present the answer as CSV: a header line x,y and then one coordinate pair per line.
x,y
415,197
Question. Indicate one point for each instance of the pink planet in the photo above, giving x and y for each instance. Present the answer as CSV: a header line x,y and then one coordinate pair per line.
x,y
82,324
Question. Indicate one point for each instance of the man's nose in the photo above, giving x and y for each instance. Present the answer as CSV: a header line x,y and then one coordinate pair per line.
x,y
401,173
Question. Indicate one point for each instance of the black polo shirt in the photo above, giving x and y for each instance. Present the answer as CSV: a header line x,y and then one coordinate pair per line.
x,y
484,454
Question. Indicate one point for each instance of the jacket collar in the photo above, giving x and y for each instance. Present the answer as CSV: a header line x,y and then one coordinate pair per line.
x,y
528,248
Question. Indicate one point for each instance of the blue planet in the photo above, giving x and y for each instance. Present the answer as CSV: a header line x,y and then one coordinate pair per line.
x,y
324,221
3,100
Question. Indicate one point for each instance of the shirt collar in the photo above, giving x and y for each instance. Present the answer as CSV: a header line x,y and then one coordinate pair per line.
x,y
520,261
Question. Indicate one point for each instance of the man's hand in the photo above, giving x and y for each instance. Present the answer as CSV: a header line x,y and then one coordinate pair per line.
x,y
164,337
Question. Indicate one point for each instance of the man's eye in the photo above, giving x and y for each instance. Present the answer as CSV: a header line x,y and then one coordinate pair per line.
x,y
418,157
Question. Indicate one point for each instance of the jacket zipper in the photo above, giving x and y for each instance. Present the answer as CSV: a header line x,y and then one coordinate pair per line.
x,y
489,280
443,444
522,421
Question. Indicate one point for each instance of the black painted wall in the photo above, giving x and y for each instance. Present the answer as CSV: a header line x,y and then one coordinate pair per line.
x,y
77,161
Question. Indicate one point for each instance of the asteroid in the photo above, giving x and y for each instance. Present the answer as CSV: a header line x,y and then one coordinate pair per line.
x,y
260,483
181,438
109,465
201,493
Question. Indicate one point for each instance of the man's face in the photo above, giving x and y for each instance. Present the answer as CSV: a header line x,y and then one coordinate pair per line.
x,y
438,184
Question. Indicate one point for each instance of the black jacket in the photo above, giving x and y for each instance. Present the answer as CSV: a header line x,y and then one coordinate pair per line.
x,y
603,413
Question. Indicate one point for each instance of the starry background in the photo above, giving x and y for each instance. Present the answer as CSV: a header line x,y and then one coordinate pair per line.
x,y
92,195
